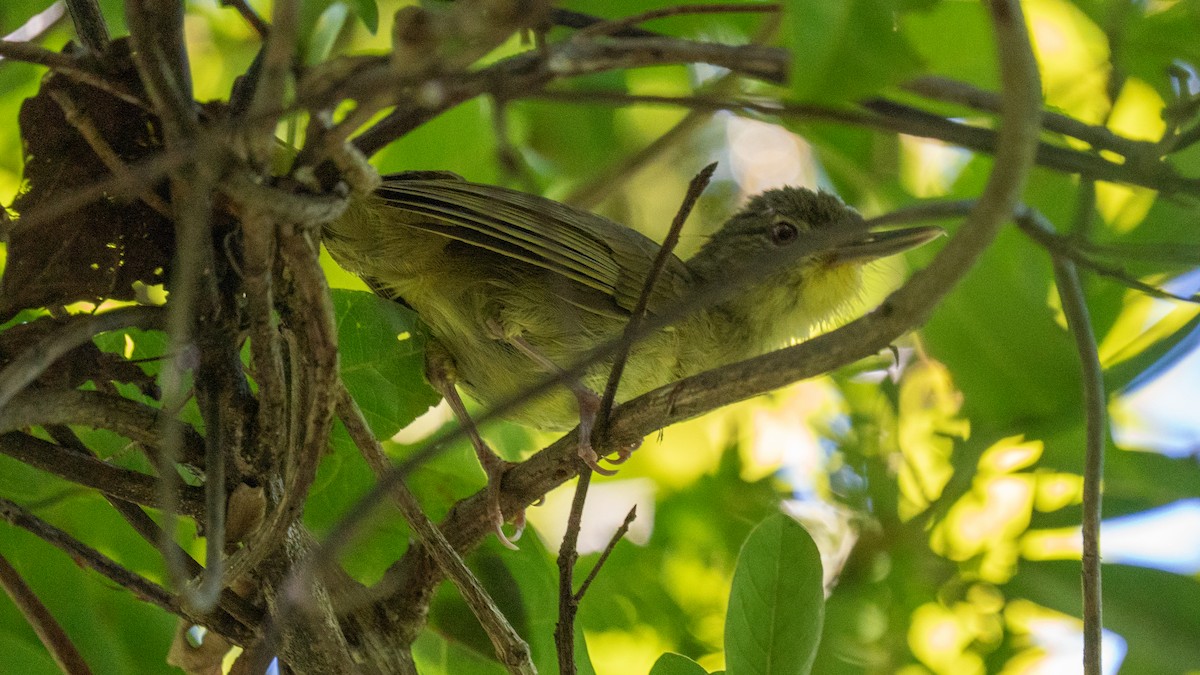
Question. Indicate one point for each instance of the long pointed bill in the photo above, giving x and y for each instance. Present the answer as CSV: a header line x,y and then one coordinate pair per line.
x,y
877,245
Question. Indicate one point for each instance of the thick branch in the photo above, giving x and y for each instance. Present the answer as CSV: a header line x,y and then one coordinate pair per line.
x,y
124,484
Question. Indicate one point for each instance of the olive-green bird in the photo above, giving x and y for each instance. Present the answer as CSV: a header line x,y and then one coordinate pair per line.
x,y
513,287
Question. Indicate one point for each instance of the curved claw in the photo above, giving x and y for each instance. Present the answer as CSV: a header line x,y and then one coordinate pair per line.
x,y
589,457
498,519
505,541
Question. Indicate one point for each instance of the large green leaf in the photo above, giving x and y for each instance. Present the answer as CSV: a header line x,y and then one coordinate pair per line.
x,y
777,604
381,359
845,50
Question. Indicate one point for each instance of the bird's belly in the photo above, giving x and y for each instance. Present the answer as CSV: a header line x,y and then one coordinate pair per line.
x,y
496,372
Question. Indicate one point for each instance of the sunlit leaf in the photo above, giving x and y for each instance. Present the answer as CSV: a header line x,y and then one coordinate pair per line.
x,y
777,604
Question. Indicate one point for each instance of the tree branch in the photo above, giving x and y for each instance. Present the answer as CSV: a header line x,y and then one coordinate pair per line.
x,y
123,484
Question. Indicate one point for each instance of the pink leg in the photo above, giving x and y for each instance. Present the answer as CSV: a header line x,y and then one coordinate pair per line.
x,y
439,369
588,401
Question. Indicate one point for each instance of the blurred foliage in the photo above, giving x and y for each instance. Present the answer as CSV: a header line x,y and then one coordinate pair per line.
x,y
944,494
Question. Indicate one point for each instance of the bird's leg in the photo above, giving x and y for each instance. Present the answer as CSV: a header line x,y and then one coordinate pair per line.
x,y
588,401
441,373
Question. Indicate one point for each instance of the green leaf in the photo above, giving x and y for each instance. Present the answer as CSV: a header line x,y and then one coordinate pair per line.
x,y
382,359
26,656
676,664
955,39
777,604
844,50
325,32
368,12
435,655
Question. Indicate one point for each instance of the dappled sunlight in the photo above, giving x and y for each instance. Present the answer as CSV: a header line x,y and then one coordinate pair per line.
x,y
1072,55
1049,642
766,156
939,637
929,423
624,652
929,168
781,433
701,589
1142,322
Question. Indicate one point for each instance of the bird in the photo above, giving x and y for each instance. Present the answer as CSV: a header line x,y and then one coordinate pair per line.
x,y
514,287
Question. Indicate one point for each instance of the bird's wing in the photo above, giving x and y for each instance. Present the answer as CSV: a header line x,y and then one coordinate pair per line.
x,y
581,247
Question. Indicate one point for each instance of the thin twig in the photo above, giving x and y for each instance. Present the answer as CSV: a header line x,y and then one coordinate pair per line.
x,y
256,22
1099,137
272,78
104,151
616,25
123,416
568,555
665,252
889,116
608,549
1075,307
144,525
52,635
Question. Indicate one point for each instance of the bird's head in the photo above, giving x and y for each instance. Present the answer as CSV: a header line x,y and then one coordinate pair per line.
x,y
798,256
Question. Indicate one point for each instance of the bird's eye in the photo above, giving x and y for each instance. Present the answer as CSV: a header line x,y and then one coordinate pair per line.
x,y
783,232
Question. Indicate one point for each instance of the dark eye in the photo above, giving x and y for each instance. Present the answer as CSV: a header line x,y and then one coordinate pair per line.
x,y
783,232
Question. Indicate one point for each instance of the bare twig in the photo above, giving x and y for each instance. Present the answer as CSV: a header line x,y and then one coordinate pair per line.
x,y
256,22
1099,137
616,25
272,79
144,525
1075,307
618,535
894,117
52,635
123,416
665,251
520,76
568,555
104,151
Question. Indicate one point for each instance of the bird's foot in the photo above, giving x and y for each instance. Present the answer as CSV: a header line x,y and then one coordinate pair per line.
x,y
589,457
495,468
